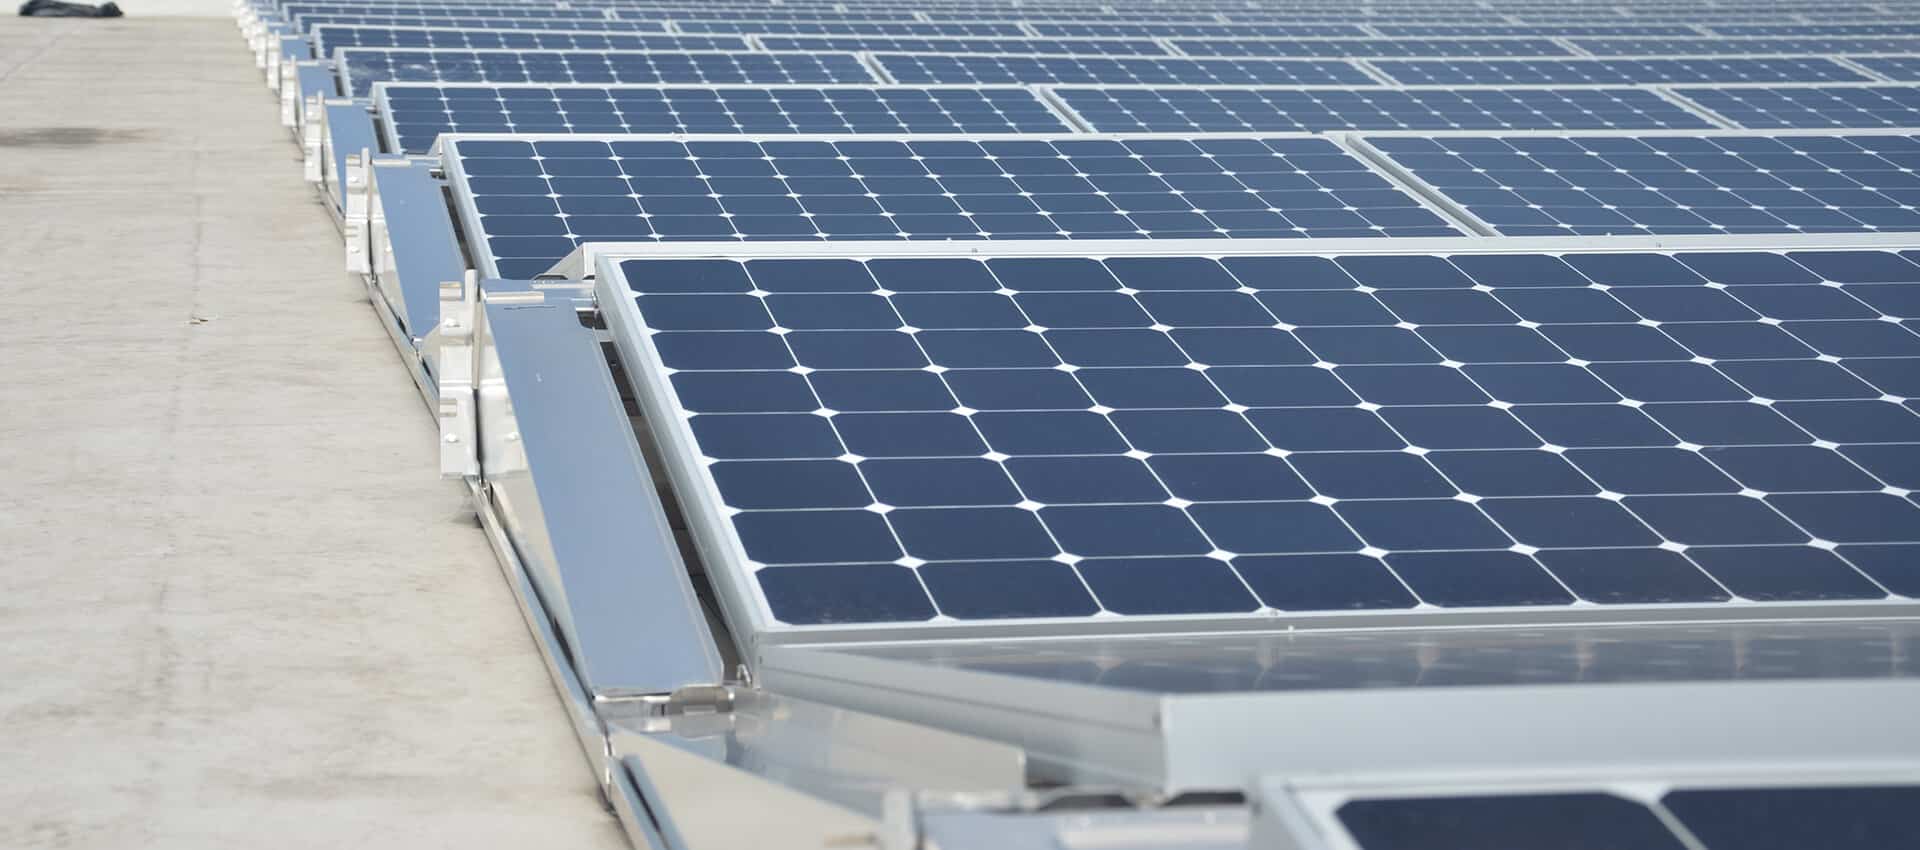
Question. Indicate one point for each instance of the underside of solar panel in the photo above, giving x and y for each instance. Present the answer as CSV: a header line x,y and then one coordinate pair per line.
x,y
1297,424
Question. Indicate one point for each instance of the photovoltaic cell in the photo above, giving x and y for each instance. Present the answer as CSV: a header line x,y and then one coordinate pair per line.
x,y
1892,67
907,28
924,44
1746,46
996,437
1563,30
329,38
1855,817
362,67
1599,185
1805,69
1368,47
1815,29
1159,30
982,69
1812,106
416,114
1114,109
533,212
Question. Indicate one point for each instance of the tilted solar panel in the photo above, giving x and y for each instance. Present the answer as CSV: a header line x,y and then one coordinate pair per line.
x,y
1808,69
1118,109
853,28
416,114
1850,817
1891,67
328,38
982,69
1368,47
975,437
1599,185
361,67
927,44
1743,46
529,213
1811,106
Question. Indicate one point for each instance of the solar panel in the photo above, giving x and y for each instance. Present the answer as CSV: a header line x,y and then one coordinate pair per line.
x,y
1891,67
414,115
331,37
1811,106
1815,29
1806,69
441,22
1366,47
1117,109
1165,30
1026,434
981,28
921,44
1852,817
529,213
361,67
983,69
1746,46
1601,185
1564,30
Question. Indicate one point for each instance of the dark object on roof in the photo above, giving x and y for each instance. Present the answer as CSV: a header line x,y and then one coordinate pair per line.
x,y
58,9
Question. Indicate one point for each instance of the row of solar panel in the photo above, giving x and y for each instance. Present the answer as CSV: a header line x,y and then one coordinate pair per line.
x,y
415,114
327,38
362,67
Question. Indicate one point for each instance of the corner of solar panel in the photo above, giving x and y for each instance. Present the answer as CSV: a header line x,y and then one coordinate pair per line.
x,y
1411,425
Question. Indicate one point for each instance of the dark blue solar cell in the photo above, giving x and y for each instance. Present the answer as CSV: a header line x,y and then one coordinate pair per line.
x,y
1857,339
1116,347
1784,573
1518,270
790,484
1371,475
1858,266
1326,308
1093,531
1553,306
1898,464
1188,431
1166,585
1412,524
1541,383
933,275
1049,433
1323,582
721,350
939,534
832,311
1798,380
1325,429
1840,818
1288,272
803,537
1651,470
1367,345
1615,342
1150,273
1851,517
1277,386
659,276
958,310
1511,473
843,593
855,349
1854,421
1225,478
1684,304
1744,267
810,276
1017,389
704,312
1053,274
908,435
1670,382
1714,520
938,482
1897,568
1392,272
1475,579
1727,424
987,349
784,436
1561,821
1273,527
1083,310
877,389
1459,427
1631,576
1240,346
1203,309
1737,340
1149,388
1568,522
1085,480
1390,385
977,590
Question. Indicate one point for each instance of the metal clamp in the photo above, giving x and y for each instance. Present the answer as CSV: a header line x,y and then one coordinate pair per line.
x,y
310,136
355,212
449,347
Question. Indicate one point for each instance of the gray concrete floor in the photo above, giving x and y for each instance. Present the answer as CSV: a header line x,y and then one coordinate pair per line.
x,y
237,607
